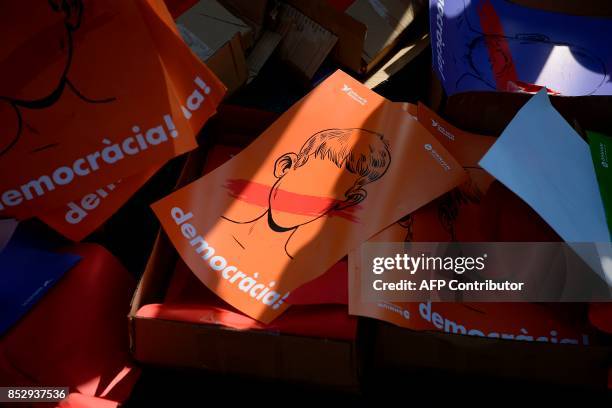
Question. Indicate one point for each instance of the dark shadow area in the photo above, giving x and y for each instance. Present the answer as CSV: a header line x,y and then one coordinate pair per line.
x,y
131,232
169,387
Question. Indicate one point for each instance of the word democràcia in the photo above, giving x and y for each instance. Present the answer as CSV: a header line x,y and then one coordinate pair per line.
x,y
108,155
442,323
248,284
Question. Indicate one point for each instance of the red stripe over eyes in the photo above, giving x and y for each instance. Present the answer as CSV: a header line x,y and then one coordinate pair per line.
x,y
293,203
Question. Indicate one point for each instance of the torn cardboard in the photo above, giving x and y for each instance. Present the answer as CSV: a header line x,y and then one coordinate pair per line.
x,y
305,44
215,36
398,61
385,20
350,32
252,12
367,31
261,53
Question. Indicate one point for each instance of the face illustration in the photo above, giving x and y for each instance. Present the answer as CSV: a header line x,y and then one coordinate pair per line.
x,y
304,194
35,58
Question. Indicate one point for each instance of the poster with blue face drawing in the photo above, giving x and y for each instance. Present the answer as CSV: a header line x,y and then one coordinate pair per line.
x,y
496,45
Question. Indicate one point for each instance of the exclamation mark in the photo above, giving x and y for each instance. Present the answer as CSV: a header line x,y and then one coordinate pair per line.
x,y
170,125
186,112
280,302
203,86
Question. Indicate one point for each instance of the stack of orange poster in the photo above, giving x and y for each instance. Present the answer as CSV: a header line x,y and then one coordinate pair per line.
x,y
335,169
94,92
458,216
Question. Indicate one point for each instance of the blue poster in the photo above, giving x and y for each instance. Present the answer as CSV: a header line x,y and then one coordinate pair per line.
x,y
496,45
26,274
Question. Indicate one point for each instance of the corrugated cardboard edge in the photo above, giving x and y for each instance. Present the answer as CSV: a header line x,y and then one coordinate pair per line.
x,y
338,364
401,349
229,64
398,61
415,10
350,32
252,12
260,354
262,51
163,254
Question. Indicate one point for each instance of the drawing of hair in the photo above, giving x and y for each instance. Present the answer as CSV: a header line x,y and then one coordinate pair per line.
x,y
450,204
448,207
407,222
359,151
362,155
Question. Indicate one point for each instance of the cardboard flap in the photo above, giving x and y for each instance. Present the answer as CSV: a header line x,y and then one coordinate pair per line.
x,y
212,24
305,43
385,21
350,32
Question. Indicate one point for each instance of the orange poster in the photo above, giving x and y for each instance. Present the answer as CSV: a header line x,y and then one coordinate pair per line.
x,y
456,216
452,217
329,173
517,321
79,218
92,92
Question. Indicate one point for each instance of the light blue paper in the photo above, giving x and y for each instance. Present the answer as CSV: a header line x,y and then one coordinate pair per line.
x,y
546,163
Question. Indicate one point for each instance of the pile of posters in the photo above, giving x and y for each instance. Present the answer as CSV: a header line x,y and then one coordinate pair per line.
x,y
100,96
318,182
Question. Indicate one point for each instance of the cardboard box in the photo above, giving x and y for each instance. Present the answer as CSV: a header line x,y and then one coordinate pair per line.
x,y
216,37
252,12
367,31
398,61
403,350
262,51
305,43
248,352
350,32
385,21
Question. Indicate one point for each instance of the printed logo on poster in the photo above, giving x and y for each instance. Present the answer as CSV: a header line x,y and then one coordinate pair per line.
x,y
437,156
603,152
350,92
442,130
